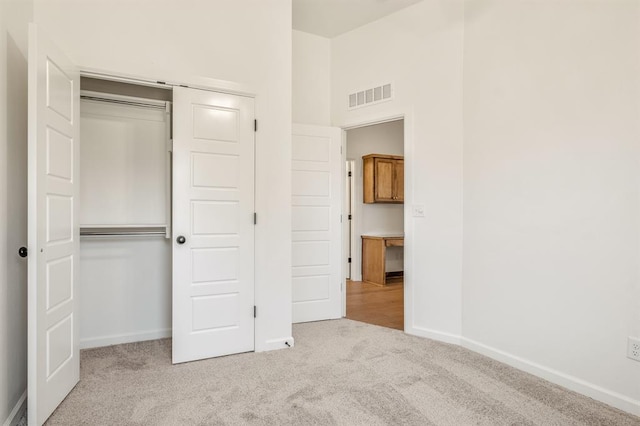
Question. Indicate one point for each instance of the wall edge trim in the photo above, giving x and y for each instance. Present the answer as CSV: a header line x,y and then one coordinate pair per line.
x,y
18,410
440,336
275,344
575,384
118,339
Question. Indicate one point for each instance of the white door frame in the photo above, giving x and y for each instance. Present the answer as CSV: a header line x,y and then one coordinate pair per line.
x,y
167,81
393,115
349,230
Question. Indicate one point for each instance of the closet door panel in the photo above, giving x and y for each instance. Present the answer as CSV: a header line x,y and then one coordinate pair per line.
x,y
213,230
53,231
316,205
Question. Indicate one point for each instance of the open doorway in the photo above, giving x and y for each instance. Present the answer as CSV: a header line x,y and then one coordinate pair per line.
x,y
138,188
374,201
125,213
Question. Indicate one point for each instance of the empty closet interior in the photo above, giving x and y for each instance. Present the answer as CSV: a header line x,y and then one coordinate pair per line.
x,y
125,213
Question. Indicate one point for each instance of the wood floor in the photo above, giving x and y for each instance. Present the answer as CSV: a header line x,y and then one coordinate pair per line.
x,y
377,305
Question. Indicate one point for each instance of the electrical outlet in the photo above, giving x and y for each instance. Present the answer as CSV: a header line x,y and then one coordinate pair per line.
x,y
418,210
633,348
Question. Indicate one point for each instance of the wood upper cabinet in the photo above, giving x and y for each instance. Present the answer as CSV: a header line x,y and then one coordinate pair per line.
x,y
383,178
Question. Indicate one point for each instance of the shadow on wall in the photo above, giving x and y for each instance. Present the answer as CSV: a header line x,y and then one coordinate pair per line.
x,y
15,316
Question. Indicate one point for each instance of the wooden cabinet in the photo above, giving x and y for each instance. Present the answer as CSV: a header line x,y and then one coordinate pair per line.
x,y
383,178
374,253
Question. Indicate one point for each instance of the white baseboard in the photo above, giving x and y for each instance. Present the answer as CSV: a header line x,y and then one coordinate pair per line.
x,y
433,334
575,384
96,342
18,410
607,396
274,344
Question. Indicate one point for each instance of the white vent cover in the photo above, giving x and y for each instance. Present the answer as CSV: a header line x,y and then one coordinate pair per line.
x,y
370,96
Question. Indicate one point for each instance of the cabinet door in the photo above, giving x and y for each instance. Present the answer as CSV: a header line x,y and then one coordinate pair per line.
x,y
398,180
384,181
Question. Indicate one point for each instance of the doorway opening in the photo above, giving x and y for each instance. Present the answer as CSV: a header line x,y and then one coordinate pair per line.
x,y
125,213
162,239
374,231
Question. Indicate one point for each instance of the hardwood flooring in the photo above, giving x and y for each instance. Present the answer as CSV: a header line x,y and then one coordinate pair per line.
x,y
379,305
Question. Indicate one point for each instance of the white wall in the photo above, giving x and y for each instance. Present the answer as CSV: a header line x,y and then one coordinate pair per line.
x,y
247,42
14,16
311,79
551,201
379,218
419,50
125,290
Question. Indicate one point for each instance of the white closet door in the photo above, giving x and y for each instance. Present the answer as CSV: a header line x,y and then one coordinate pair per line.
x,y
54,363
213,228
316,229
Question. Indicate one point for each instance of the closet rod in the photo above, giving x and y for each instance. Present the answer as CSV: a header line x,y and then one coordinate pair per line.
x,y
123,235
123,231
122,102
120,234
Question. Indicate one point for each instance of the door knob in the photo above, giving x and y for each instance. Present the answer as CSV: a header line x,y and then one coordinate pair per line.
x,y
181,239
22,252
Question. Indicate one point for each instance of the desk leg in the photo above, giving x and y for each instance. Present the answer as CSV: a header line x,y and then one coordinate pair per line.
x,y
373,261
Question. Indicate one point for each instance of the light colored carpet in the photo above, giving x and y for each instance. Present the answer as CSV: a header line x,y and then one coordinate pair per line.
x,y
340,372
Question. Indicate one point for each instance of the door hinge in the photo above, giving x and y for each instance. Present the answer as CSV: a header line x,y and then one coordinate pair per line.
x,y
350,174
255,218
255,311
349,217
349,260
255,125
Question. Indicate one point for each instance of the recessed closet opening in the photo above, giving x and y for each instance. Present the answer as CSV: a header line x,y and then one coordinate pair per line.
x,y
125,213
141,219
374,233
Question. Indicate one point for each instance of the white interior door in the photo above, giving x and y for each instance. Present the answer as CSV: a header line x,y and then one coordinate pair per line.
x,y
316,229
213,224
54,96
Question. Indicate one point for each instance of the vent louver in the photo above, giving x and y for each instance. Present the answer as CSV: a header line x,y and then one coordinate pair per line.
x,y
370,96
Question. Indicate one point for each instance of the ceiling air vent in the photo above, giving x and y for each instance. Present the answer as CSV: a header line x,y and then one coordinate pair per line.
x,y
370,96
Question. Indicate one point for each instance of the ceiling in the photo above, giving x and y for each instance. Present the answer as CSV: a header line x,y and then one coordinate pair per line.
x,y
330,18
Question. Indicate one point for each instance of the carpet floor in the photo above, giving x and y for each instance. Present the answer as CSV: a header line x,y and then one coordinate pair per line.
x,y
340,372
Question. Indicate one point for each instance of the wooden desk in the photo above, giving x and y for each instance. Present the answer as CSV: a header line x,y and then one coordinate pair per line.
x,y
374,254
